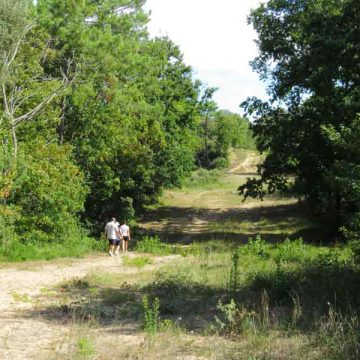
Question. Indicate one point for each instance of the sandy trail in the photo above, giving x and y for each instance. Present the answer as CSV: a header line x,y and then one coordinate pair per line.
x,y
193,212
23,337
247,166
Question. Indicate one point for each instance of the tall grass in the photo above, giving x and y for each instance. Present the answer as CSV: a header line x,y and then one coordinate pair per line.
x,y
15,251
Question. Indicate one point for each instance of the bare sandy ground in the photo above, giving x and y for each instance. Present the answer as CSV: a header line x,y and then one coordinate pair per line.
x,y
24,337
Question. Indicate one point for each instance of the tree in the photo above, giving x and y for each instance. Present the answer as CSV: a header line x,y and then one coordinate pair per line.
x,y
309,55
231,131
207,109
132,114
41,188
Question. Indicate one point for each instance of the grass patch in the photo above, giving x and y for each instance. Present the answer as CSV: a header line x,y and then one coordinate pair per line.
x,y
20,297
139,261
18,252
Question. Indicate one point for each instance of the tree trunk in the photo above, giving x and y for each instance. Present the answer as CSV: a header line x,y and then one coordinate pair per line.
x,y
62,121
14,139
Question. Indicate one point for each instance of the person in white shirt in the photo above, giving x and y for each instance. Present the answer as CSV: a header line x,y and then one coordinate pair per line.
x,y
113,235
125,235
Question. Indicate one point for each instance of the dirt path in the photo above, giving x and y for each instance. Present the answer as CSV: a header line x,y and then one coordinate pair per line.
x,y
188,214
247,166
23,337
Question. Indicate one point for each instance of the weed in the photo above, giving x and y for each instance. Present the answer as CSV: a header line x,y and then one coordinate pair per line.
x,y
151,315
265,319
233,319
257,247
85,347
297,309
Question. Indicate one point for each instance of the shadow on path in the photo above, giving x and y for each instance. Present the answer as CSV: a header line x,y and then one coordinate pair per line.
x,y
184,225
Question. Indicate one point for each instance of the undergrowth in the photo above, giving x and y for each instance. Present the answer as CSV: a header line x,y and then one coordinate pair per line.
x,y
301,298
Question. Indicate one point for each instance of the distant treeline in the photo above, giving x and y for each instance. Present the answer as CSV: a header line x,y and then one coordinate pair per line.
x,y
96,118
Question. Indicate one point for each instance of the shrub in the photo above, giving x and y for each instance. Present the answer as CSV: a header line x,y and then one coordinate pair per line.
x,y
257,247
151,315
291,250
233,319
152,245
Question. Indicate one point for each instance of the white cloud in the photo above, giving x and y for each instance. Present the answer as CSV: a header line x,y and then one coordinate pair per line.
x,y
216,42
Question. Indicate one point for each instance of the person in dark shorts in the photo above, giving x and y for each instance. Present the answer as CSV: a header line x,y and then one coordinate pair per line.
x,y
112,233
125,235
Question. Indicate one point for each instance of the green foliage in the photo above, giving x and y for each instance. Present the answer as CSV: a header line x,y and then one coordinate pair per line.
x,y
152,245
229,313
123,109
8,217
50,191
201,178
291,250
256,246
151,315
354,245
13,20
15,251
221,131
313,138
85,347
132,119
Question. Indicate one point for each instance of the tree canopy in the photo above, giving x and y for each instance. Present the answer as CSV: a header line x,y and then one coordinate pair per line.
x,y
309,55
96,117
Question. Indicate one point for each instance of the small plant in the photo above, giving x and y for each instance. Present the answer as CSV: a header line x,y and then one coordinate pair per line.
x,y
233,319
297,310
265,318
257,247
85,347
151,315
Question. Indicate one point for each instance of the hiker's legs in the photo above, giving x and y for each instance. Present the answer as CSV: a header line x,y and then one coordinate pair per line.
x,y
111,247
117,247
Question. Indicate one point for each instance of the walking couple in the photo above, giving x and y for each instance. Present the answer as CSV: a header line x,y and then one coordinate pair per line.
x,y
116,233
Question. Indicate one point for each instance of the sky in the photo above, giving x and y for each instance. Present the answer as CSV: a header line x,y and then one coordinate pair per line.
x,y
216,42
